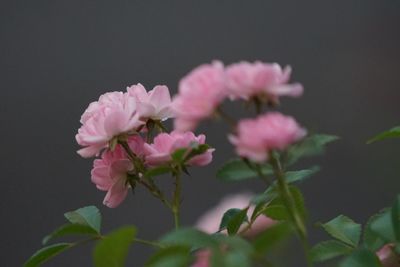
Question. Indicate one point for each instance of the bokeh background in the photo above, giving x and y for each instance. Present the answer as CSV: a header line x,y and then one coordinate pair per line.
x,y
57,56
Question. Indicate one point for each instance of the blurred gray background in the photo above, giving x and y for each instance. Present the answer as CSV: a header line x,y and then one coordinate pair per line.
x,y
57,56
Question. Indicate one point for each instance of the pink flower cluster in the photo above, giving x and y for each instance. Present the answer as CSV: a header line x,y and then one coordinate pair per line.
x,y
272,131
117,113
204,89
121,115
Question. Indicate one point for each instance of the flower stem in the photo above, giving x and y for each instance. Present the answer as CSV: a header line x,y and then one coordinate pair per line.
x,y
289,202
147,183
147,242
177,197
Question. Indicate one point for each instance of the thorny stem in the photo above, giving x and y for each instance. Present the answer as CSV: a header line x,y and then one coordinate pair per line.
x,y
290,205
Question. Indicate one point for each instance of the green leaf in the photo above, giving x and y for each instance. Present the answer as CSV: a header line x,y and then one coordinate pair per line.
x,y
382,226
228,215
189,237
276,212
89,216
157,171
361,258
292,177
70,229
330,249
236,259
257,210
344,229
234,243
298,201
174,256
372,239
264,197
394,132
237,250
298,176
396,218
236,221
310,146
46,253
272,236
238,170
112,250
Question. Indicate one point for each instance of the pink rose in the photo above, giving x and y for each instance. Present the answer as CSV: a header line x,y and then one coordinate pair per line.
x,y
110,173
210,221
155,104
388,257
200,92
165,144
272,131
113,114
265,80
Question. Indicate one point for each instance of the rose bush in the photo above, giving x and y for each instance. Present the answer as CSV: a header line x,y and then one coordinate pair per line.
x,y
126,133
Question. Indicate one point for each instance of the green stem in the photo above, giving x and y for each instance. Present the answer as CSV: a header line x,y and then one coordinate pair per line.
x,y
140,169
147,242
291,207
177,198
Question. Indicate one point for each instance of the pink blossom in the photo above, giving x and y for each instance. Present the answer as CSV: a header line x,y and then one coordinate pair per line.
x,y
200,92
165,144
271,131
155,104
265,80
210,221
113,114
110,173
388,257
